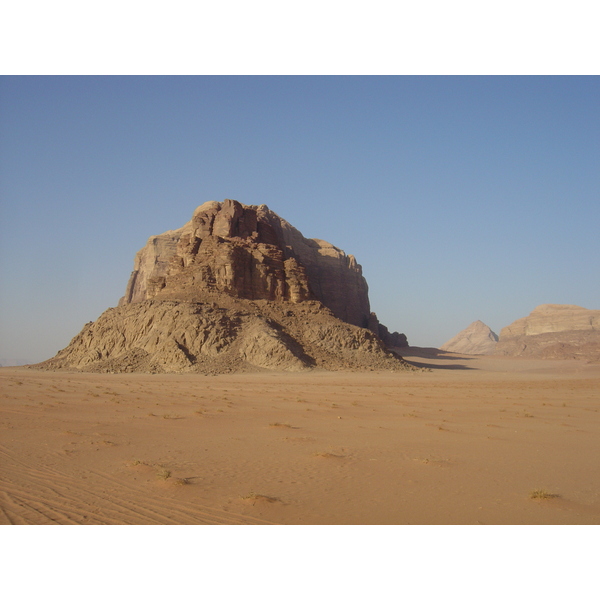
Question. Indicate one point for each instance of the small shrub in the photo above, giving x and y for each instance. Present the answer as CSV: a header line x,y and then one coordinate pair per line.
x,y
254,497
541,494
164,474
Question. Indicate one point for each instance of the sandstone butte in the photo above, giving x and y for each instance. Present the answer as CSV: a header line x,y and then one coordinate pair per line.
x,y
237,288
477,338
553,331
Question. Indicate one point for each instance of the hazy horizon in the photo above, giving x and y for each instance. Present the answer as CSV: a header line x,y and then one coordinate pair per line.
x,y
463,198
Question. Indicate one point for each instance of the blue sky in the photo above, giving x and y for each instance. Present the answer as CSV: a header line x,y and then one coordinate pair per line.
x,y
463,198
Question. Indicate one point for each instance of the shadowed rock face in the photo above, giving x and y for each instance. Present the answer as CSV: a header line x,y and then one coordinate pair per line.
x,y
248,252
477,338
553,331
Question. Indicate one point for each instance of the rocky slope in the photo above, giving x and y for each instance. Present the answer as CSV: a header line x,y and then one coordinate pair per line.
x,y
236,288
221,335
477,338
553,331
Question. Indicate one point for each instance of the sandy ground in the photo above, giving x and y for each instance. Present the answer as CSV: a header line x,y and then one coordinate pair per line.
x,y
464,443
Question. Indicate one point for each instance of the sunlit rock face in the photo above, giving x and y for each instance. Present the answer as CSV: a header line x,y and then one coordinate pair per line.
x,y
553,331
248,252
553,318
477,338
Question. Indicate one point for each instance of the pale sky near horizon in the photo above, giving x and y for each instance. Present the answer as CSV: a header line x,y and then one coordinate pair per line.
x,y
463,198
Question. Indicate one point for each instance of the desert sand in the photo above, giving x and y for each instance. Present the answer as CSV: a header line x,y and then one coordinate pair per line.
x,y
468,441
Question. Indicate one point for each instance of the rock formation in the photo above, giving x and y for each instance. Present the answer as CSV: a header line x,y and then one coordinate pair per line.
x,y
391,340
248,252
553,331
236,288
477,338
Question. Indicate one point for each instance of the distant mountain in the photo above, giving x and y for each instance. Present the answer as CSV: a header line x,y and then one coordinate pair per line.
x,y
553,331
477,338
14,362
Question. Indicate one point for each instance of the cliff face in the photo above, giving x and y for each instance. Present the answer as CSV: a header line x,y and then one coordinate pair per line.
x,y
248,252
553,318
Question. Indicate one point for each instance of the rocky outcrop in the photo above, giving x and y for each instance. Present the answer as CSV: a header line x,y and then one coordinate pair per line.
x,y
391,340
248,252
583,345
222,334
553,331
236,288
553,318
477,338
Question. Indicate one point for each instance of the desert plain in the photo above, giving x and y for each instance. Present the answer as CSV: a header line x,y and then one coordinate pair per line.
x,y
467,440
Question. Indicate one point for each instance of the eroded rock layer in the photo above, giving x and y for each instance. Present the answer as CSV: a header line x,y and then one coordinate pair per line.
x,y
553,331
248,252
553,318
